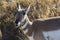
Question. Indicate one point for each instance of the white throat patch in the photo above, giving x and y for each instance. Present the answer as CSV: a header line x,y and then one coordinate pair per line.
x,y
24,25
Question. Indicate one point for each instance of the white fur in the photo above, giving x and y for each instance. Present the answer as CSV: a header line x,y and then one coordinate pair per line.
x,y
19,9
19,24
24,25
53,35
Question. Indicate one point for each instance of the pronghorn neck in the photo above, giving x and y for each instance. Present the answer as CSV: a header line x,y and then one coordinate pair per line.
x,y
27,28
27,19
26,22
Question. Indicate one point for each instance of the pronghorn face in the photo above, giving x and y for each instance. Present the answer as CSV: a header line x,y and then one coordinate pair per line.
x,y
21,15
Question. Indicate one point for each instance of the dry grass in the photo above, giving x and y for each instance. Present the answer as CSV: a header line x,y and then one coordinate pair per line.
x,y
39,8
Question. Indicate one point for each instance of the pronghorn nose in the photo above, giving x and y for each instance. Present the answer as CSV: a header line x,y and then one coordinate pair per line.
x,y
17,24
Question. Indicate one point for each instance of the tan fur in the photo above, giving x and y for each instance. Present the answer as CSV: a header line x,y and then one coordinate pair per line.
x,y
40,25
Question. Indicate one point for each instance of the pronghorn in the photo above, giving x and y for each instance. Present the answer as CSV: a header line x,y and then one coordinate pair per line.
x,y
36,28
21,18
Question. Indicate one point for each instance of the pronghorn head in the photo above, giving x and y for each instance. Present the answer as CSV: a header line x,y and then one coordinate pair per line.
x,y
21,14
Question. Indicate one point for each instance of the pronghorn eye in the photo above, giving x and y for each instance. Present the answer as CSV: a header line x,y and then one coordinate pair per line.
x,y
23,12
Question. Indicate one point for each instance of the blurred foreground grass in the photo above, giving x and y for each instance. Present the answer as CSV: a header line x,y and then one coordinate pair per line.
x,y
0,35
39,8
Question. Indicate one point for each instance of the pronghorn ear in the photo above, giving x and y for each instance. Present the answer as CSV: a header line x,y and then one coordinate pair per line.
x,y
18,6
28,9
